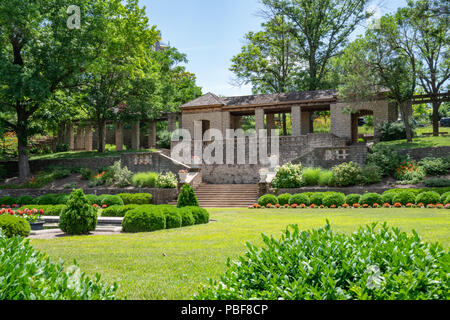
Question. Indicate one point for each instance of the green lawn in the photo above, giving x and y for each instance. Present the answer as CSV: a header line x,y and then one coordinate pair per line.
x,y
194,254
421,142
84,154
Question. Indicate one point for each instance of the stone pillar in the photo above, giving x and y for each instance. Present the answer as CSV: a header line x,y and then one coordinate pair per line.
x,y
79,138
118,133
61,133
152,134
226,122
259,119
88,138
305,126
135,139
341,121
70,136
296,121
172,123
270,123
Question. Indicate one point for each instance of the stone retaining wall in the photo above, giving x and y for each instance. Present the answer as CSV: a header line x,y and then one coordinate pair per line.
x,y
419,154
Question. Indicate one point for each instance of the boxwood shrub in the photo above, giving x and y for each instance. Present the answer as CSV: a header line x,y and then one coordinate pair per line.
x,y
444,197
266,199
187,218
172,214
337,199
388,198
283,199
49,210
404,198
201,216
299,198
136,198
353,198
371,199
111,200
316,198
143,219
13,226
35,277
118,211
427,198
93,199
25,200
78,217
375,263
47,199
8,201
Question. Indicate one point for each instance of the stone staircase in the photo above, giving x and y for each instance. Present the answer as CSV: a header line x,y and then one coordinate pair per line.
x,y
226,195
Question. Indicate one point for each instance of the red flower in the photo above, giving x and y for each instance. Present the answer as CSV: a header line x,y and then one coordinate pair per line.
x,y
333,206
104,206
397,205
41,212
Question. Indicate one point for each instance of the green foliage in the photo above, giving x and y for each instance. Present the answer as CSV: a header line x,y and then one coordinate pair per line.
x,y
111,200
201,216
32,276
187,197
299,198
118,176
2,172
388,198
60,173
167,181
337,199
347,174
353,198
371,174
49,210
311,176
283,199
444,198
9,201
386,158
143,219
317,198
118,211
172,214
266,199
187,218
437,182
435,166
93,199
371,199
288,176
24,200
86,173
390,131
145,179
14,226
78,217
374,264
136,198
47,199
427,198
404,198
409,172
326,178
418,190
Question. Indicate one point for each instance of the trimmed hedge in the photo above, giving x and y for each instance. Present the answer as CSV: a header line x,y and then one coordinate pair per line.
x,y
371,199
201,216
336,199
187,218
112,201
8,201
283,199
299,199
136,198
266,199
118,211
172,214
49,210
317,198
143,220
428,198
404,198
93,199
14,226
388,197
351,199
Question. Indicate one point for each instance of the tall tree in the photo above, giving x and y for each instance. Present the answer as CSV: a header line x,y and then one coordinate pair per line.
x,y
425,38
39,55
321,28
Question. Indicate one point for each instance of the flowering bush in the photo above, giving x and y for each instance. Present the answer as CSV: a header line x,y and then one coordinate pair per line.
x,y
375,205
347,174
398,205
167,181
356,205
386,205
288,176
409,172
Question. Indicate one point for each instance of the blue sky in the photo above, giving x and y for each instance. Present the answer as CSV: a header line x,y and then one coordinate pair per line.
x,y
211,32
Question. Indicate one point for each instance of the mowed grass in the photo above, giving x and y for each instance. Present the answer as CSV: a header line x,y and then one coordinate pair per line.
x,y
194,254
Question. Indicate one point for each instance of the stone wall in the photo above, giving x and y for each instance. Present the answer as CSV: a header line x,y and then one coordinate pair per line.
x,y
231,174
160,196
418,154
151,161
329,157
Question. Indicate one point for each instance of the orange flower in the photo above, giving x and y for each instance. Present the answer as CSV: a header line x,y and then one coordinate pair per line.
x,y
365,205
386,205
294,205
333,206
397,205
356,205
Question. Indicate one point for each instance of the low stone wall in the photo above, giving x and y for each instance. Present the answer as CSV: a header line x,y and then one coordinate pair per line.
x,y
151,161
329,157
160,196
419,154
231,174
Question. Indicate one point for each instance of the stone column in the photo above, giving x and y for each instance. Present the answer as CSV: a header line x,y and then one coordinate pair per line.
x,y
88,138
79,138
341,121
305,126
119,135
135,138
61,133
270,123
259,119
70,136
172,122
152,134
296,121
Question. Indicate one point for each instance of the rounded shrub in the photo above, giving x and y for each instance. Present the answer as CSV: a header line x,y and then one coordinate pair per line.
x,y
316,198
143,220
353,198
427,198
444,197
336,199
187,197
8,201
347,174
187,218
283,199
371,199
200,215
14,226
388,197
446,201
111,200
145,179
404,198
47,199
78,217
172,214
118,211
25,200
62,199
136,198
299,198
376,263
311,176
93,199
266,199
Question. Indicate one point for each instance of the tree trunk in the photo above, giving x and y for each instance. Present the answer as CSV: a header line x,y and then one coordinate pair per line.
x,y
24,165
405,112
436,106
101,135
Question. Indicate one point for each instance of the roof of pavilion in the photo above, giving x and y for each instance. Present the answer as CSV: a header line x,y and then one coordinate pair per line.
x,y
211,99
